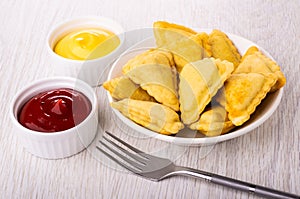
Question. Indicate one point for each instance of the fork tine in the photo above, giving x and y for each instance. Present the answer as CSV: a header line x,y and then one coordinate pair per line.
x,y
137,158
133,163
127,145
118,162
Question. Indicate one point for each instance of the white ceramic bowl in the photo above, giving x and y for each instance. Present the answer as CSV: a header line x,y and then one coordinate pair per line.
x,y
63,143
86,70
188,137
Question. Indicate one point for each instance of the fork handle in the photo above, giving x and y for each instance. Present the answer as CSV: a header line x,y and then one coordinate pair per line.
x,y
235,184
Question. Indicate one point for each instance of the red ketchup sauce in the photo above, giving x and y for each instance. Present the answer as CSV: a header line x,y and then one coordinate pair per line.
x,y
55,110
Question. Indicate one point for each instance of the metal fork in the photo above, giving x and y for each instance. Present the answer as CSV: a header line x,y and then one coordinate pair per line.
x,y
156,169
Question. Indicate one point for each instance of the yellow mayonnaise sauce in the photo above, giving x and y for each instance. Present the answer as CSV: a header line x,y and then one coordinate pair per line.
x,y
87,44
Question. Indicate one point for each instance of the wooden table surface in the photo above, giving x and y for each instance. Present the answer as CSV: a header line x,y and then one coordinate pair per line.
x,y
268,155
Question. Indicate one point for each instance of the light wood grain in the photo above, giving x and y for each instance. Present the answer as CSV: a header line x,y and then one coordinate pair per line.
x,y
269,155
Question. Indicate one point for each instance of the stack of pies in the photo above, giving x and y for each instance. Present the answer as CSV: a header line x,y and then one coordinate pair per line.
x,y
193,79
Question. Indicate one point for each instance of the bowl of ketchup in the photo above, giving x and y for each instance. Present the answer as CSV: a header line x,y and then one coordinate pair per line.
x,y
55,117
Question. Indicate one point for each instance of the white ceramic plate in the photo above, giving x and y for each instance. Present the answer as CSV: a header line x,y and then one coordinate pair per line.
x,y
186,136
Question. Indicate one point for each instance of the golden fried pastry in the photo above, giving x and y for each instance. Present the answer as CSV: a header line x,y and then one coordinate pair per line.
x,y
160,82
243,93
205,44
199,82
254,61
190,49
151,115
223,48
152,56
122,87
185,44
213,122
161,25
250,51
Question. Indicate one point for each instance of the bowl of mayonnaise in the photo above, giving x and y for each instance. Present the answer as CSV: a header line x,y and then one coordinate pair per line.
x,y
83,47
